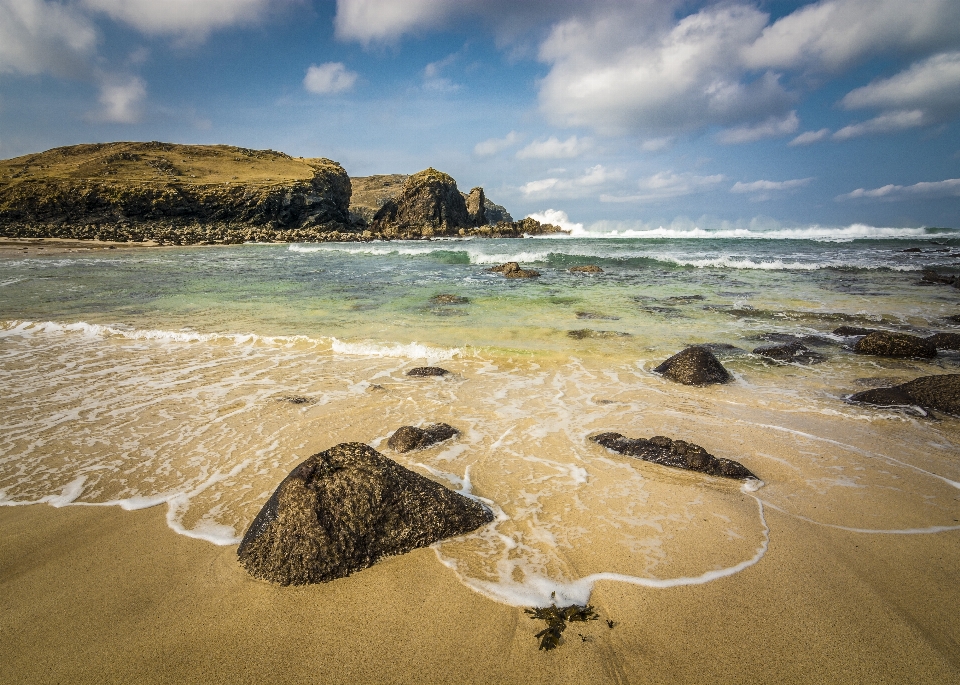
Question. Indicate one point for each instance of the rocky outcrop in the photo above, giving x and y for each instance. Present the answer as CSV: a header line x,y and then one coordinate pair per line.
x,y
148,190
407,438
850,331
342,510
945,341
930,392
513,270
794,353
476,207
899,345
422,371
676,453
585,269
495,213
694,366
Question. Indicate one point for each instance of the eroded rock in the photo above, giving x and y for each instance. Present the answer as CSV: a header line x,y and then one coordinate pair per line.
x,y
899,345
342,510
676,453
794,353
421,371
408,438
930,392
513,270
694,366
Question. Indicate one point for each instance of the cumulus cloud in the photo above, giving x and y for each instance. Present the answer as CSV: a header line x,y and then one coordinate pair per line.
x,y
329,78
192,19
586,184
554,148
833,34
121,100
666,185
925,190
887,122
773,127
766,186
931,85
492,146
810,137
45,37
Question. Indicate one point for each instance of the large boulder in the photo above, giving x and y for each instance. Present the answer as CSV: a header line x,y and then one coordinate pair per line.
x,y
429,204
930,392
513,270
945,341
408,438
676,453
900,345
694,366
342,510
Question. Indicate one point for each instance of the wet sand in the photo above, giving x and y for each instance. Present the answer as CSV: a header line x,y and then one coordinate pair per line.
x,y
91,594
26,247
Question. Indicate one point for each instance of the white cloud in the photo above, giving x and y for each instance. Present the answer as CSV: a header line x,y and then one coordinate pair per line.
x,y
667,185
554,148
809,137
887,122
657,144
492,146
329,78
121,100
45,37
192,19
833,34
766,186
378,20
925,190
773,127
932,84
586,184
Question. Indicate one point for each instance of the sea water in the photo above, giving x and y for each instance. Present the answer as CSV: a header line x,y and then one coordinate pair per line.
x,y
196,378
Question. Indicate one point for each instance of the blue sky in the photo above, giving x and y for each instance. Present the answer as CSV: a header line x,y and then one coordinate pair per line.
x,y
620,113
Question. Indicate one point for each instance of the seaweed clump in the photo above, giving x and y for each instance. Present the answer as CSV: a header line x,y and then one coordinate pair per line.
x,y
557,619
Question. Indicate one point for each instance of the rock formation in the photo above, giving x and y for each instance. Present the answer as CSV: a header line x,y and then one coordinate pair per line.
x,y
794,352
585,269
900,345
407,438
513,270
429,202
675,453
694,366
495,213
476,207
342,510
427,371
930,392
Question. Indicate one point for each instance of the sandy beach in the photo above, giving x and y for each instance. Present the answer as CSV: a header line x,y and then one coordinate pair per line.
x,y
93,594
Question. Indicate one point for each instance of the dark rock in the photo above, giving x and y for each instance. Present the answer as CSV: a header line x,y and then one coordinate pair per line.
x,y
495,213
583,333
594,315
342,510
586,269
476,207
407,438
794,352
945,341
427,371
429,202
901,345
513,270
955,318
676,453
684,299
694,366
446,298
930,392
912,249
295,399
850,331
931,276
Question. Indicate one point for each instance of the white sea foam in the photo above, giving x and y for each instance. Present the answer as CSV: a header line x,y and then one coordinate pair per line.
x,y
687,231
412,350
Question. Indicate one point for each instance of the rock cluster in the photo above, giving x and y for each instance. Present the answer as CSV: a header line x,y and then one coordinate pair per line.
x,y
675,453
900,345
407,438
513,270
694,366
930,392
341,510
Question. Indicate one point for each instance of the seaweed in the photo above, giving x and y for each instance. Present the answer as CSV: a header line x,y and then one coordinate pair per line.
x,y
557,619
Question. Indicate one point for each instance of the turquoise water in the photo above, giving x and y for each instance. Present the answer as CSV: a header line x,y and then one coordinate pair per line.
x,y
145,377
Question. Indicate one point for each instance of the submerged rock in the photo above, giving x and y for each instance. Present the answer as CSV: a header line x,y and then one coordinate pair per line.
x,y
421,371
850,331
931,277
945,341
446,298
900,345
342,510
930,392
583,333
676,453
585,269
694,366
513,270
795,352
407,438
595,315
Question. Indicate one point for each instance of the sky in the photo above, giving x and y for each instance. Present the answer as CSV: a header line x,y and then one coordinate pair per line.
x,y
621,114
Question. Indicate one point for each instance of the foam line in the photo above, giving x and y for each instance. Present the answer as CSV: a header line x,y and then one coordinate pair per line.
x,y
875,531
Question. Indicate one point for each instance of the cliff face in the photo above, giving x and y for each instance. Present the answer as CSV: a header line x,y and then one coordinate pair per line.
x,y
146,187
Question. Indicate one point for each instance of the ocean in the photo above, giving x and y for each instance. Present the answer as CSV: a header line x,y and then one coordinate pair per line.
x,y
196,378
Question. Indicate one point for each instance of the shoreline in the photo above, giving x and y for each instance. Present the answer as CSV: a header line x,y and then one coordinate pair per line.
x,y
97,594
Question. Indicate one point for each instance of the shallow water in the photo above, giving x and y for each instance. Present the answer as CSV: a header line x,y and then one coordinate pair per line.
x,y
164,376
